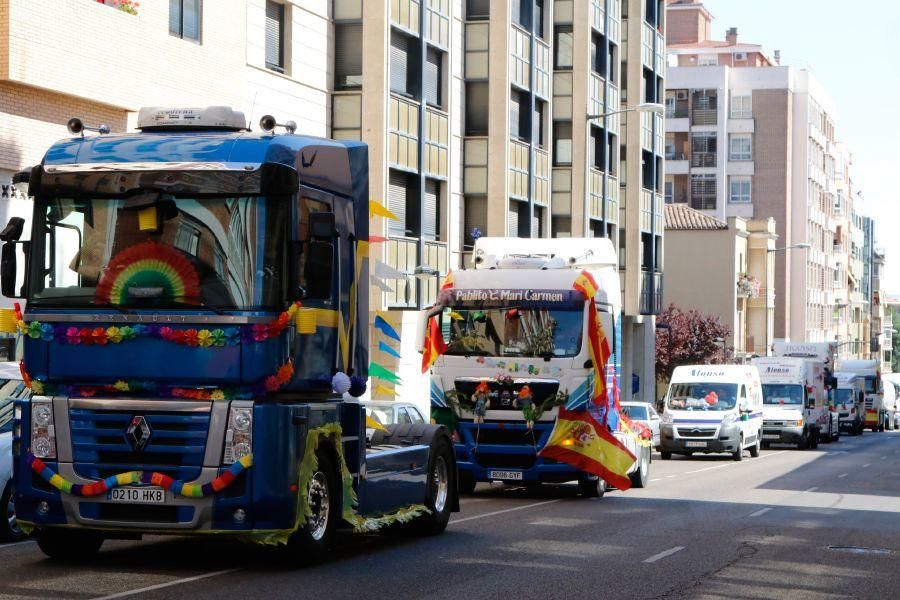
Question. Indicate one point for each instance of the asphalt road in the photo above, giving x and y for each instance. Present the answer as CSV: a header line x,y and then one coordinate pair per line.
x,y
789,524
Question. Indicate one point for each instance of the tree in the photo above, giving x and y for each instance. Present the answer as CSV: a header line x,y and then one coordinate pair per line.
x,y
895,355
687,338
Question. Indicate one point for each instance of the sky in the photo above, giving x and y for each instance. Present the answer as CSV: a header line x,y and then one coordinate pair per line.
x,y
851,48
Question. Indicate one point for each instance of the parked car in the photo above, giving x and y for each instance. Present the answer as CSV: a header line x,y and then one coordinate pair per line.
x,y
11,389
390,413
644,413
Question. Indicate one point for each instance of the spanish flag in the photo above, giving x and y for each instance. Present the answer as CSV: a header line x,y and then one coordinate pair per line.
x,y
434,345
598,344
578,440
448,282
587,285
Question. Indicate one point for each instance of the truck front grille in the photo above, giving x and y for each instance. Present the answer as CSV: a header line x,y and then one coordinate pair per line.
x,y
695,432
100,446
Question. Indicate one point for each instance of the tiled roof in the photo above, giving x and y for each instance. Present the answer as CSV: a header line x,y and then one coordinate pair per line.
x,y
683,217
713,44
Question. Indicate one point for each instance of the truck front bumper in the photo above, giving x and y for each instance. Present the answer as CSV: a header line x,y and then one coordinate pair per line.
x,y
773,434
727,439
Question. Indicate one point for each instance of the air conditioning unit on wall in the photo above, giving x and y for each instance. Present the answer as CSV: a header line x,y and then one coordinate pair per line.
x,y
740,56
681,95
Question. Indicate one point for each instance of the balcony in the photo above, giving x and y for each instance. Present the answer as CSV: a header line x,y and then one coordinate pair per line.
x,y
651,303
410,292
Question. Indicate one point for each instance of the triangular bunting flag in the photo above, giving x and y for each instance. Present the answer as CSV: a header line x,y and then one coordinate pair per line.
x,y
380,284
378,210
383,390
376,370
386,328
377,239
383,347
386,272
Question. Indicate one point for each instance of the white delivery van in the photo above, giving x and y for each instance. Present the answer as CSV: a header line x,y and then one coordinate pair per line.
x,y
850,399
869,371
795,409
893,379
712,408
889,401
822,355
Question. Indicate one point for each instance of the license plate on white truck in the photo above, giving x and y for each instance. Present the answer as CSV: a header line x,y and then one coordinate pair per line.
x,y
695,444
137,495
505,475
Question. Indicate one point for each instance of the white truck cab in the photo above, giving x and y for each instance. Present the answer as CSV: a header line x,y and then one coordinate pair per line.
x,y
794,401
821,409
873,385
850,399
712,408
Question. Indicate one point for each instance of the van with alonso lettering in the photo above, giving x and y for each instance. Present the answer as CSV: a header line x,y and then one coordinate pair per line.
x,y
712,408
850,399
794,401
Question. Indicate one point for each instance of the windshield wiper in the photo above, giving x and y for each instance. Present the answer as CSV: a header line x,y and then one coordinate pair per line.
x,y
61,303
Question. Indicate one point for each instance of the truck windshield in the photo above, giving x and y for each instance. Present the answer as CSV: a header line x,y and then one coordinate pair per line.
x,y
871,385
702,396
159,252
778,393
843,396
513,332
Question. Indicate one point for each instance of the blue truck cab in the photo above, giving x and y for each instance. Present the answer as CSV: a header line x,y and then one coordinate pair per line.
x,y
195,337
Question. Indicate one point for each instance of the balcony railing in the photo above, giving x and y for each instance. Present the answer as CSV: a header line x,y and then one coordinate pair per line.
x,y
703,159
675,155
651,304
704,116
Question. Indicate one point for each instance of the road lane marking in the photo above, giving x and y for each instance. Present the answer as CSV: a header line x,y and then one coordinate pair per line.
x,y
812,489
657,479
842,475
709,468
671,476
664,554
506,510
768,454
867,465
760,512
511,563
10,545
160,586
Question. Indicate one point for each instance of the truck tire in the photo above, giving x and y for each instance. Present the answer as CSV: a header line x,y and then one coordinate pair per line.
x,y
814,440
466,483
665,455
641,477
9,527
441,488
738,455
592,487
754,449
69,545
311,543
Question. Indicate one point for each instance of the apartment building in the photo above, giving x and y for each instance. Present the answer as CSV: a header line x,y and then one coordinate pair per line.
x,y
751,138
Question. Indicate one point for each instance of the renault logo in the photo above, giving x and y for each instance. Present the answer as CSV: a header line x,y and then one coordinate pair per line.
x,y
138,433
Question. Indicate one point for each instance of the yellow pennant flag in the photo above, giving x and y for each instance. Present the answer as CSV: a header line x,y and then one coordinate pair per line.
x,y
378,210
383,390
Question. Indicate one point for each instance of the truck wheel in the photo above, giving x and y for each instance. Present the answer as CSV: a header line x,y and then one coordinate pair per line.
x,y
466,483
814,439
69,545
9,527
441,488
738,455
310,544
592,487
641,477
754,449
665,455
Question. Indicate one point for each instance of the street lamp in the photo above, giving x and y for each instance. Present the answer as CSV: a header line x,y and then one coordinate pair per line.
x,y
721,340
800,246
425,272
651,107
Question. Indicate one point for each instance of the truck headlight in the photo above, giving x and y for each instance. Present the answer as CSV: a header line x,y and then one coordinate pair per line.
x,y
729,419
43,433
239,434
666,419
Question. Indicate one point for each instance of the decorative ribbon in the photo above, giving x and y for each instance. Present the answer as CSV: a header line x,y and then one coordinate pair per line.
x,y
204,338
176,486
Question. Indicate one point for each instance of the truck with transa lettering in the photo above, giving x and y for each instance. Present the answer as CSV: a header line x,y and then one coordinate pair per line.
x,y
195,341
516,335
794,401
877,417
822,354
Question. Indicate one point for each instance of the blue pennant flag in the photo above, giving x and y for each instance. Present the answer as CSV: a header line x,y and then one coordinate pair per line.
x,y
388,350
386,328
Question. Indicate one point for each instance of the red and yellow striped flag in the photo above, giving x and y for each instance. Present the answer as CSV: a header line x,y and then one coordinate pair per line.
x,y
578,440
434,345
598,344
448,282
587,285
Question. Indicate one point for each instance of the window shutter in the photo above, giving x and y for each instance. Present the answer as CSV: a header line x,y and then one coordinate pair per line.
x,y
274,35
432,86
537,221
399,62
512,227
397,203
348,55
175,17
191,20
432,216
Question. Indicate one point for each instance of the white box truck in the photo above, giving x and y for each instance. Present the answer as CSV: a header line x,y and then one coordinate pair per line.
x,y
822,356
794,403
850,399
870,372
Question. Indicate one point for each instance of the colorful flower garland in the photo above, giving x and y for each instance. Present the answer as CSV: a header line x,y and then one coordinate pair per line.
x,y
176,486
203,338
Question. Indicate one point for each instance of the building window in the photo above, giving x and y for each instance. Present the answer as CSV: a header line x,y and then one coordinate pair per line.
x,y
434,74
708,61
562,143
563,47
404,74
184,19
739,190
403,201
432,216
539,29
540,109
474,219
476,108
519,223
703,191
740,147
670,192
187,238
598,149
520,11
348,55
742,106
598,54
478,10
275,36
519,125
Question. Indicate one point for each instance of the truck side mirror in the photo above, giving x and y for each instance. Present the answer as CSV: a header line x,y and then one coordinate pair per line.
x,y
8,268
